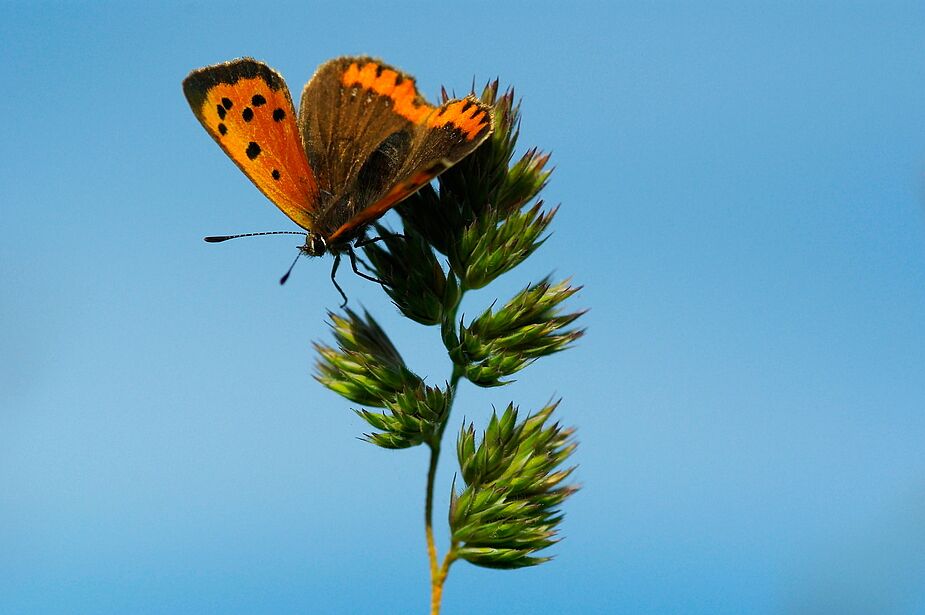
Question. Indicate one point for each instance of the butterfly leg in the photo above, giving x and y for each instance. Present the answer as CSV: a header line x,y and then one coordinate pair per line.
x,y
366,242
334,280
359,244
356,270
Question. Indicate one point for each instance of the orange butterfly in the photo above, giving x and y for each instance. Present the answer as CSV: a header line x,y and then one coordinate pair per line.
x,y
364,140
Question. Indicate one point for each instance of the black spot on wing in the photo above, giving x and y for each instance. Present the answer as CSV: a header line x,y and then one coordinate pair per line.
x,y
258,100
223,129
278,115
275,174
221,111
253,150
247,114
226,102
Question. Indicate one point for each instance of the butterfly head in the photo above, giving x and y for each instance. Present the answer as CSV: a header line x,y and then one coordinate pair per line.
x,y
314,245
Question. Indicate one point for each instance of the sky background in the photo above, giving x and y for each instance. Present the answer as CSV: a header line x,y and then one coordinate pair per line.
x,y
742,198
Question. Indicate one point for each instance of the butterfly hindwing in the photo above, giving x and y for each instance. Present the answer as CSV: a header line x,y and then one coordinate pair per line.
x,y
440,139
355,121
246,107
374,140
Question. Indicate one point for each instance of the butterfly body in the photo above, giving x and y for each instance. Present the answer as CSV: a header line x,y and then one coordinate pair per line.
x,y
363,140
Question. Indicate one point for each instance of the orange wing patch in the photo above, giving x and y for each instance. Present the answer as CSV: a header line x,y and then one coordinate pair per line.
x,y
247,109
399,87
470,117
466,115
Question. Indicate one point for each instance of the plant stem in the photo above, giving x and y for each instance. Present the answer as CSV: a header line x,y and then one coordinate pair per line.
x,y
428,523
438,572
437,588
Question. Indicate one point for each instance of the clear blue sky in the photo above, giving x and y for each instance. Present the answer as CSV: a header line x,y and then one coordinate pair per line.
x,y
742,197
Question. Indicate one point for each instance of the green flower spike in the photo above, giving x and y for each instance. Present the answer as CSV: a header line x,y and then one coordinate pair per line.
x,y
366,368
415,416
509,508
497,242
497,344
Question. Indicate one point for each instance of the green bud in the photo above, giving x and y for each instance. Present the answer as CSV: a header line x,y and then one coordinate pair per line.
x,y
498,242
508,510
365,367
415,416
411,275
435,217
498,344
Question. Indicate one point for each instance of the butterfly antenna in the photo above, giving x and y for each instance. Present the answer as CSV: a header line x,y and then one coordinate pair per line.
x,y
283,279
220,238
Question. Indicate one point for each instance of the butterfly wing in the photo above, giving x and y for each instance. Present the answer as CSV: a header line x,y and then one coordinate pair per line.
x,y
374,140
447,136
246,106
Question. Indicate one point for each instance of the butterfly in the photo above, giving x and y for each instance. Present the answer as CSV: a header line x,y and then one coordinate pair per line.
x,y
364,139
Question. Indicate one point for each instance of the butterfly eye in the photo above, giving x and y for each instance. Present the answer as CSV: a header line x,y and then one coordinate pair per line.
x,y
315,244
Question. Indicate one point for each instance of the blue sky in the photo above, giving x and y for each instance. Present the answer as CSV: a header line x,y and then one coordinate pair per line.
x,y
742,198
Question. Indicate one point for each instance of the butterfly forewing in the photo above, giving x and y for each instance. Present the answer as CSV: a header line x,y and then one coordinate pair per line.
x,y
246,107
